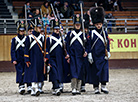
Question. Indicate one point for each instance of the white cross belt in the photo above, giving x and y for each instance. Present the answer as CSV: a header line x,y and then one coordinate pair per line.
x,y
58,42
76,37
20,42
34,42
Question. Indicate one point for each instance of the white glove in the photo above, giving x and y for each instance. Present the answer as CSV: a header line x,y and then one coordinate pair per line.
x,y
109,55
90,59
48,69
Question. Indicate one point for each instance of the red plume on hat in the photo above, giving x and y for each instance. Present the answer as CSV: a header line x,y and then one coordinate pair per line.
x,y
20,25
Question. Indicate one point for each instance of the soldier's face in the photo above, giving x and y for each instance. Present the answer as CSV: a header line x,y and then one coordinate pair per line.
x,y
98,25
56,31
77,26
62,31
38,29
42,32
86,30
21,32
30,31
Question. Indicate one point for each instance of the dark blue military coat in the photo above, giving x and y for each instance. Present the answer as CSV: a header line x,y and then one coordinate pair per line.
x,y
66,71
76,51
56,55
98,71
34,55
17,54
86,63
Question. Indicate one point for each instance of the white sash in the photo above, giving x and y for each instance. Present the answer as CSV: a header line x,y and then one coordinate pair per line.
x,y
99,36
20,42
76,37
58,42
34,42
96,33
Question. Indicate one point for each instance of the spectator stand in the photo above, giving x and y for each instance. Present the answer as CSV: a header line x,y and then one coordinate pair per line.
x,y
18,5
127,19
129,5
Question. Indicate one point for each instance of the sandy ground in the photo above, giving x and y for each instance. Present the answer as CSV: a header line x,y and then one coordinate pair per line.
x,y
123,87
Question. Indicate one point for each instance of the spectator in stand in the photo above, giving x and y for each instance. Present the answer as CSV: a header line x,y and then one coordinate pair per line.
x,y
110,23
28,10
120,6
37,14
51,17
66,10
46,22
76,5
46,8
110,5
45,19
87,19
117,5
103,3
30,16
57,5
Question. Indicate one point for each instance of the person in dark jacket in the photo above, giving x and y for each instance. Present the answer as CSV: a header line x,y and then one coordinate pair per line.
x,y
66,10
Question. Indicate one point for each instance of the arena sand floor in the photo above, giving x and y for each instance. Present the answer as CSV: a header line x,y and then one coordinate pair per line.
x,y
123,87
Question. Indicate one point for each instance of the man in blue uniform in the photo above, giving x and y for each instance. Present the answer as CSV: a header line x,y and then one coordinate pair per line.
x,y
56,54
34,59
17,56
86,62
98,73
66,68
75,48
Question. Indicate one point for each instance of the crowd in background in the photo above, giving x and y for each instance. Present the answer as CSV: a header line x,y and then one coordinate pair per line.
x,y
65,9
110,5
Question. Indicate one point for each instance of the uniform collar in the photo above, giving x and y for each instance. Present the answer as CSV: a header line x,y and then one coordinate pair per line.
x,y
56,35
77,31
98,30
20,36
36,33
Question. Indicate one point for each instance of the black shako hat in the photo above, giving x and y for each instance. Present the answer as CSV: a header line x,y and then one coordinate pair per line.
x,y
77,19
56,24
20,25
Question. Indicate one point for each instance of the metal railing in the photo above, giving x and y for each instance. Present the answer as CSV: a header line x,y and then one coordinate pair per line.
x,y
126,24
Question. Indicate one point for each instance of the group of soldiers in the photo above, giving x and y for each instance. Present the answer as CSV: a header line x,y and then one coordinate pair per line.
x,y
77,57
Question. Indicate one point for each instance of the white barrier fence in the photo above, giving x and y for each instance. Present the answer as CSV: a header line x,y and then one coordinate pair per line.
x,y
129,25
